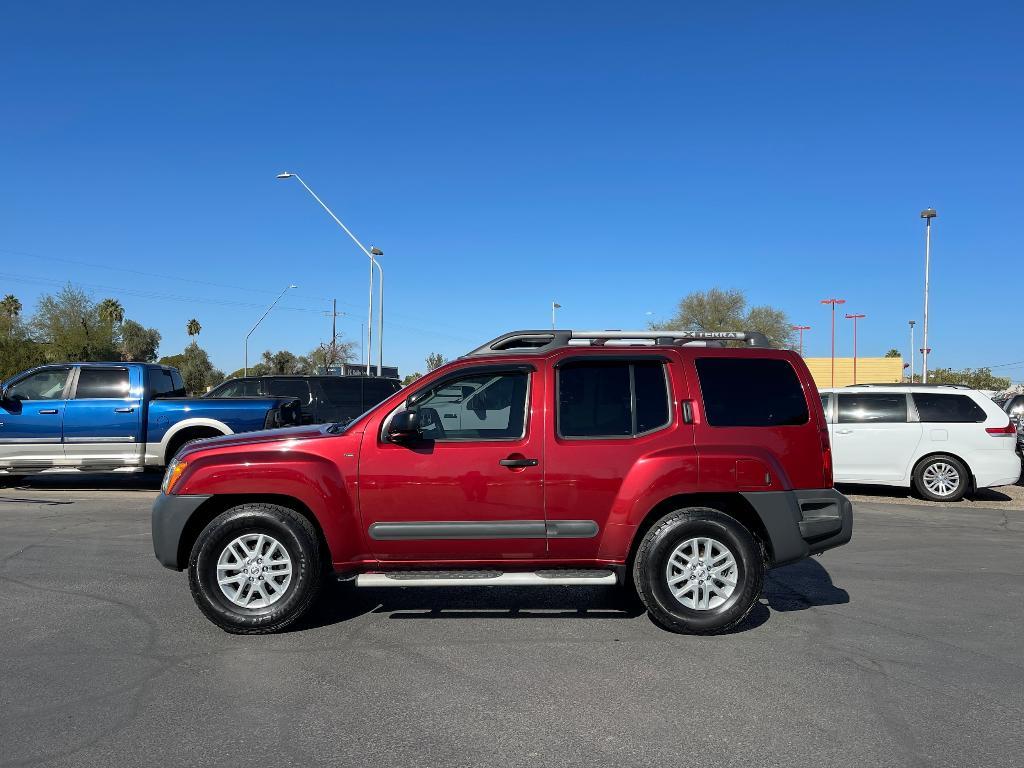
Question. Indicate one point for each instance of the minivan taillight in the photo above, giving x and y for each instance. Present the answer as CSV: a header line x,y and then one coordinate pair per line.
x,y
1008,431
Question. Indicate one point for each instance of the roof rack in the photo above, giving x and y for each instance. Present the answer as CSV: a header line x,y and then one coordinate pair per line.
x,y
519,342
911,384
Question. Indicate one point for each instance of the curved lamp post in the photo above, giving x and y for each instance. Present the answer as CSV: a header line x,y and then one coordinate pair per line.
x,y
371,253
246,369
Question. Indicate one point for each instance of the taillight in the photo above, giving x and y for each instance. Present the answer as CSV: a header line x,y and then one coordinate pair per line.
x,y
1008,431
826,459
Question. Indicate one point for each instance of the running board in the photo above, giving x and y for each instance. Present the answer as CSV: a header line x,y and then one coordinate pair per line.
x,y
479,578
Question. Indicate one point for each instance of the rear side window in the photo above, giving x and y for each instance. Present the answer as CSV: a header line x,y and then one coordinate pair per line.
x,y
376,390
872,409
237,388
102,382
342,392
611,399
750,392
948,409
164,383
289,388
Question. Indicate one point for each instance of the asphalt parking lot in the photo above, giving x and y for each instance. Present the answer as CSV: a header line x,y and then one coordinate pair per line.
x,y
903,648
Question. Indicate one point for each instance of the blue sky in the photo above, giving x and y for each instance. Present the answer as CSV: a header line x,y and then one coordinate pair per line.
x,y
613,157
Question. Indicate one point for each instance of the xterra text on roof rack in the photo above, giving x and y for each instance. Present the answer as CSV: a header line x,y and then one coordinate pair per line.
x,y
541,458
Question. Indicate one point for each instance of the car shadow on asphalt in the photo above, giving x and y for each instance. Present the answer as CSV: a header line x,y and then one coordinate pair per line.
x,y
795,587
894,492
85,481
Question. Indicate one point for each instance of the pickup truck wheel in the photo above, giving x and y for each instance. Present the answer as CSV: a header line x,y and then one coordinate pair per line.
x,y
255,568
698,571
941,478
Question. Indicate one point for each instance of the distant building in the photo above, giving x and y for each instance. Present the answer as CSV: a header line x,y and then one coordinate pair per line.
x,y
355,369
870,370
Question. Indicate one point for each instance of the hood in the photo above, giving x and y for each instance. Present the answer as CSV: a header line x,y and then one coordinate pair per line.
x,y
306,432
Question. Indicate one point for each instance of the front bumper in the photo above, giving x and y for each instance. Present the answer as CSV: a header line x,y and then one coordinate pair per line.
x,y
171,515
802,523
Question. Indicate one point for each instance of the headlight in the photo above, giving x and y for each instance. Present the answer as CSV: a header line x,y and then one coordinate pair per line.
x,y
174,472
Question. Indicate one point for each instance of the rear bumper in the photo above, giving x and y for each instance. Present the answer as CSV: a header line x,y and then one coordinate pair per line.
x,y
993,468
802,523
171,515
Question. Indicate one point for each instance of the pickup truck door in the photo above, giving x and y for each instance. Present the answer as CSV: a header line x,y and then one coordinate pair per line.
x,y
467,496
103,417
31,418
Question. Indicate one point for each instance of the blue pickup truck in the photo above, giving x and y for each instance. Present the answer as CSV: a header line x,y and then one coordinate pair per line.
x,y
116,416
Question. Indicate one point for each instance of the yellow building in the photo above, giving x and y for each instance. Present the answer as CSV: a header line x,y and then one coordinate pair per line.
x,y
870,370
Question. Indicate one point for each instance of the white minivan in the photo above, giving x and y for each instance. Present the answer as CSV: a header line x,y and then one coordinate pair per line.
x,y
943,440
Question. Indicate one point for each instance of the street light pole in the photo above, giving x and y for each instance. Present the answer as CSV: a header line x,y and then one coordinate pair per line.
x,y
554,305
373,262
801,328
380,311
245,370
833,302
855,318
912,324
927,214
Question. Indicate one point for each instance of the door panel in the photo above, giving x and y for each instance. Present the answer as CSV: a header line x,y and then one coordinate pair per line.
x,y
872,439
103,419
450,498
31,419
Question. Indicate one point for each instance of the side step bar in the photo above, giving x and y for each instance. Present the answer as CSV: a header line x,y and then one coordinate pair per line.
x,y
467,578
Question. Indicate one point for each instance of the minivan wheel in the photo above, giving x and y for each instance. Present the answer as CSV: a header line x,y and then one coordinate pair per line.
x,y
941,478
698,571
255,568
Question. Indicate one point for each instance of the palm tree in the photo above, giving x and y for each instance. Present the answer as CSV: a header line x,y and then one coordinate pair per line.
x,y
192,327
11,307
111,311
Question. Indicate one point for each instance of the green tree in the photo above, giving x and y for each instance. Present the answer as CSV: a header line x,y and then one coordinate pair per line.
x,y
975,378
434,361
410,379
192,327
137,343
110,311
726,310
70,326
195,369
893,353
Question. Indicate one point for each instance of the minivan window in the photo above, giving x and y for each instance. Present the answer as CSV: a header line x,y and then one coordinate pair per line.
x,y
750,392
873,408
376,390
612,399
102,382
947,409
343,392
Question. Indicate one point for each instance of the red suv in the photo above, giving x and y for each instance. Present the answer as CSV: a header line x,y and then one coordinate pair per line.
x,y
664,461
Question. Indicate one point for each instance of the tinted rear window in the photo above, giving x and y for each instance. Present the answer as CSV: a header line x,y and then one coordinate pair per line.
x,y
237,388
873,409
102,382
948,409
165,383
343,392
750,392
375,390
298,388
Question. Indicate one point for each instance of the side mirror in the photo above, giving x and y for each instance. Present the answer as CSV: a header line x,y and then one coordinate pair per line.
x,y
404,426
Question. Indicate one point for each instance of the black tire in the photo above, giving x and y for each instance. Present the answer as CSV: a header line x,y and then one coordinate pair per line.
x,y
294,533
959,469
652,561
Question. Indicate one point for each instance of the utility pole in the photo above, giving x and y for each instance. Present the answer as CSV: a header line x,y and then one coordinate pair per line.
x,y
927,214
912,324
833,302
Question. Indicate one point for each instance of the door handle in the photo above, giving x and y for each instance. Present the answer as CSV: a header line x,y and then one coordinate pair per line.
x,y
124,410
844,431
48,410
519,462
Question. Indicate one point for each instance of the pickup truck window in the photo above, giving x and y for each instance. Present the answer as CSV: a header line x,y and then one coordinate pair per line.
x,y
102,383
165,383
42,385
